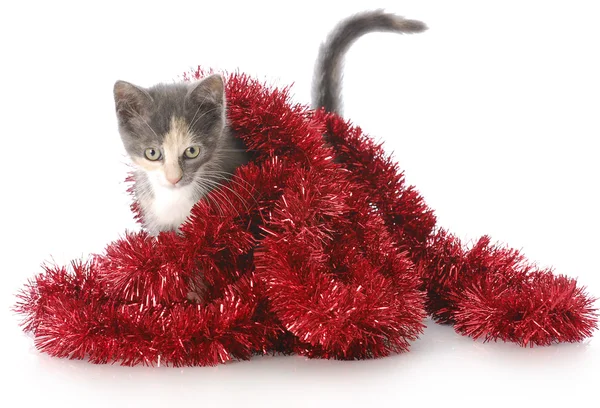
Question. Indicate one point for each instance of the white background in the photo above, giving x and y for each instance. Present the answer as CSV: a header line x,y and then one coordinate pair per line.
x,y
493,114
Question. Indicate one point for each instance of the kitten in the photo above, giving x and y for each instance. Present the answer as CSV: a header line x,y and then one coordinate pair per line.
x,y
177,135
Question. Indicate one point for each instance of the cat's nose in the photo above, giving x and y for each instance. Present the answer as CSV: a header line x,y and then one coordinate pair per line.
x,y
174,179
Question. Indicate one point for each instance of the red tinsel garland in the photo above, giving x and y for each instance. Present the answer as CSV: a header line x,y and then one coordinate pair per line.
x,y
321,250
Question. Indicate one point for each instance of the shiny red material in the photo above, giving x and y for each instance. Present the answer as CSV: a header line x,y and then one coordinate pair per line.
x,y
316,247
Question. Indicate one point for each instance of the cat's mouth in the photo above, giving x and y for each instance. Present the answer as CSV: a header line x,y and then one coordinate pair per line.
x,y
177,186
166,184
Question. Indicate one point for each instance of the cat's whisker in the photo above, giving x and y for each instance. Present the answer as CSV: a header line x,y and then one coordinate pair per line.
x,y
216,186
232,179
215,203
203,191
240,186
218,194
225,198
237,195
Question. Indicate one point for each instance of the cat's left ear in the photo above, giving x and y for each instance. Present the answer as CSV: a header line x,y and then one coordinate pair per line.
x,y
131,100
208,92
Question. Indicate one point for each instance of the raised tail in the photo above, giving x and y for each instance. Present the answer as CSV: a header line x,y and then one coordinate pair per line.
x,y
326,88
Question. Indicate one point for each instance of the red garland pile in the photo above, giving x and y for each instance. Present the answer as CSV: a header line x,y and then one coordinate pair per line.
x,y
322,250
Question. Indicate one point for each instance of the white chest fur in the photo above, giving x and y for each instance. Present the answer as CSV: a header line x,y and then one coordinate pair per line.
x,y
171,206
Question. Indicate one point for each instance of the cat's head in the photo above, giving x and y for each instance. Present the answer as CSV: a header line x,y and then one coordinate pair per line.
x,y
171,130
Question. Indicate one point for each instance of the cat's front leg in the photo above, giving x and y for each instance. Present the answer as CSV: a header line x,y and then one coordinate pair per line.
x,y
197,290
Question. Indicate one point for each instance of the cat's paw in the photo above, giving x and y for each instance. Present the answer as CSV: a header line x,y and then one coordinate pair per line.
x,y
194,297
196,291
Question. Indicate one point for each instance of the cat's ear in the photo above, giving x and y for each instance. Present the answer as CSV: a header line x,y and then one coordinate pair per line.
x,y
131,100
210,90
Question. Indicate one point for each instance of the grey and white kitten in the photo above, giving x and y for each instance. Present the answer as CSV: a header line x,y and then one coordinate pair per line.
x,y
178,138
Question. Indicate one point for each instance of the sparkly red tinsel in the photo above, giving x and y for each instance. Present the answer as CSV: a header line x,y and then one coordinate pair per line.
x,y
316,248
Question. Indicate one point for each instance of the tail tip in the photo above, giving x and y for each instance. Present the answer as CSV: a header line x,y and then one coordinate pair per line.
x,y
409,26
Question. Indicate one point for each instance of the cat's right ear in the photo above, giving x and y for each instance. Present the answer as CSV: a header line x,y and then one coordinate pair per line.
x,y
131,100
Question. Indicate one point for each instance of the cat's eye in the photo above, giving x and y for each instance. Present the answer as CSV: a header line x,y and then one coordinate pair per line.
x,y
152,154
192,152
